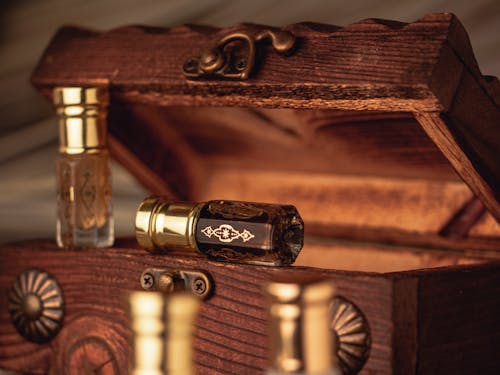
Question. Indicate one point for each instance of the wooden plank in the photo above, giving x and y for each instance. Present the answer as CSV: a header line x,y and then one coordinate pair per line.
x,y
461,224
231,335
231,331
370,257
405,212
405,292
459,330
368,65
326,141
477,168
426,67
413,205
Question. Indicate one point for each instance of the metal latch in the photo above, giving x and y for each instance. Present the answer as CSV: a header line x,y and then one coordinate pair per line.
x,y
222,61
169,280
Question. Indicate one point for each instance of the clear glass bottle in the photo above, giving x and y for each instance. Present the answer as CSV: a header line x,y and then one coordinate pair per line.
x,y
84,211
163,326
256,233
302,341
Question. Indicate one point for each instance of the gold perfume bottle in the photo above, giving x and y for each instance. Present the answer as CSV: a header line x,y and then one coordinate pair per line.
x,y
163,332
301,339
257,233
84,213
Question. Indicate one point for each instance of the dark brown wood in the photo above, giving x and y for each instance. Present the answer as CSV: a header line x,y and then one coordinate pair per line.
x,y
425,68
318,141
231,331
460,225
368,65
231,336
482,180
362,208
405,291
380,132
445,330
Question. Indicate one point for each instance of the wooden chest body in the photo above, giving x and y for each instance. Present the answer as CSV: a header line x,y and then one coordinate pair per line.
x,y
384,135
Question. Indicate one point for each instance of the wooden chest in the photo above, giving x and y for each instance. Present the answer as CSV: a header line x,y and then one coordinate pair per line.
x,y
384,135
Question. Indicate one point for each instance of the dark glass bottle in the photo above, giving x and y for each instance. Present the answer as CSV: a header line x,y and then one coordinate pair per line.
x,y
257,233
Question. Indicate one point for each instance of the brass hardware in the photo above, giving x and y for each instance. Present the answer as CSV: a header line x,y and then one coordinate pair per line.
x,y
166,280
36,306
173,223
222,62
82,122
162,327
301,341
352,335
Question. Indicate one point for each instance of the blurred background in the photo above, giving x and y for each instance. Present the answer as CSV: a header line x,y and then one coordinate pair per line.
x,y
28,137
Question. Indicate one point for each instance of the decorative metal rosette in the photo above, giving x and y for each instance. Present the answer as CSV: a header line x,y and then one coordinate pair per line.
x,y
36,306
352,335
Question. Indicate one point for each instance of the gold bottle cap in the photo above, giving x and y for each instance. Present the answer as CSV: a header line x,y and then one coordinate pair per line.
x,y
163,329
181,310
82,118
163,224
301,339
147,314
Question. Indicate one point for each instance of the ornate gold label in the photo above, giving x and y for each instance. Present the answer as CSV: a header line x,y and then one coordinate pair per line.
x,y
226,233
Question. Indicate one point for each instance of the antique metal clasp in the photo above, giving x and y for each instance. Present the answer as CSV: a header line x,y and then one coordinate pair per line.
x,y
170,280
221,61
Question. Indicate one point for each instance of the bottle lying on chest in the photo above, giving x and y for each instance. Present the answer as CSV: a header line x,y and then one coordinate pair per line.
x,y
257,233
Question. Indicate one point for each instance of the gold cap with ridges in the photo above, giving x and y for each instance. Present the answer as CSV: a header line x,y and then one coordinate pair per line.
x,y
81,113
181,310
147,314
163,327
301,338
161,223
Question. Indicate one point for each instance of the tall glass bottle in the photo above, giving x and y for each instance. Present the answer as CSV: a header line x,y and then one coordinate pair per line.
x,y
301,339
84,213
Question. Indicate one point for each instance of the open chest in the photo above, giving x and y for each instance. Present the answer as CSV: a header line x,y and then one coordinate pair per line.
x,y
384,135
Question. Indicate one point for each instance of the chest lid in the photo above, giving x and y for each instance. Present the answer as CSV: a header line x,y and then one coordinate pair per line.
x,y
380,131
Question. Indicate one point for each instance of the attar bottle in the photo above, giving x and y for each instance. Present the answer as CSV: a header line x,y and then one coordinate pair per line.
x,y
163,328
245,232
299,326
84,213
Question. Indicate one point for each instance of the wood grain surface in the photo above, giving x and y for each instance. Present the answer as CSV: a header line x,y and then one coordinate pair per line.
x,y
369,129
231,336
444,331
368,65
408,77
96,59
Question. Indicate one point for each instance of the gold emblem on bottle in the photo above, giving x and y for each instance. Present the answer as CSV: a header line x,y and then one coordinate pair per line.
x,y
226,233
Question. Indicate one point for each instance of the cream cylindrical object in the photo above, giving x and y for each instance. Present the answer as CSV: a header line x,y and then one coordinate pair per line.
x,y
301,339
163,327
